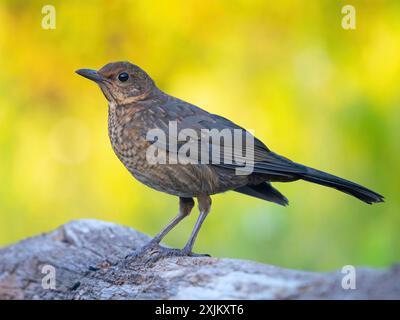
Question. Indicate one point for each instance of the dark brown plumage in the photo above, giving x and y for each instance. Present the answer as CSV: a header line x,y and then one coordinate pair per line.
x,y
136,105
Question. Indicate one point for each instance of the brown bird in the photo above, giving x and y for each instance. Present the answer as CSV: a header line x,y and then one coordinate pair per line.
x,y
136,105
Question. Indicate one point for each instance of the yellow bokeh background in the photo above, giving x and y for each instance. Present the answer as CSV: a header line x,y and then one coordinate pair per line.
x,y
312,91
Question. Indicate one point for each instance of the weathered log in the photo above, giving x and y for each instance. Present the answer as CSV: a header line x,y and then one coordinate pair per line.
x,y
86,259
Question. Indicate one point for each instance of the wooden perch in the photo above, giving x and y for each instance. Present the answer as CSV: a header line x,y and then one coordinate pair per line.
x,y
85,259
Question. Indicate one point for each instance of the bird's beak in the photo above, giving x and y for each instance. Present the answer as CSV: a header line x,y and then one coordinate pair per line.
x,y
90,74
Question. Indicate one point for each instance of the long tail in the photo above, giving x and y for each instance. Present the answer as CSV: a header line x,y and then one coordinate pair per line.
x,y
343,185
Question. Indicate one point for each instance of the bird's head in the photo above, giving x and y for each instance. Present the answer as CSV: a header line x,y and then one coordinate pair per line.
x,y
121,82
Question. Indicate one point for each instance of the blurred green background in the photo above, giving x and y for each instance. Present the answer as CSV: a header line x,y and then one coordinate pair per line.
x,y
312,91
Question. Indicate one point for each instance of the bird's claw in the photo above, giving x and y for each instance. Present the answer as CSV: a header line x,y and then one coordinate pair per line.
x,y
153,252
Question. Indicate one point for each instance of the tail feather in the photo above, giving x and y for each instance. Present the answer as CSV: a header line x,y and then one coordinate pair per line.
x,y
264,191
351,188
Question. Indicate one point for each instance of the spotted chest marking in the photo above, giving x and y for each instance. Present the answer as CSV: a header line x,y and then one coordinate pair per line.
x,y
126,142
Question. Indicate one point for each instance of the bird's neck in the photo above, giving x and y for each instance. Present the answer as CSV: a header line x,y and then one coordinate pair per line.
x,y
117,112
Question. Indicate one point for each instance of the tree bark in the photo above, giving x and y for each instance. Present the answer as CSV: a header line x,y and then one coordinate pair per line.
x,y
86,259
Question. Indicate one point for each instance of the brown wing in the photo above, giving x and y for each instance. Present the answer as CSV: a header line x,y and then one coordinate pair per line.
x,y
198,121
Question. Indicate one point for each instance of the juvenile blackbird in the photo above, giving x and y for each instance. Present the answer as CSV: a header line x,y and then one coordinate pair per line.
x,y
136,105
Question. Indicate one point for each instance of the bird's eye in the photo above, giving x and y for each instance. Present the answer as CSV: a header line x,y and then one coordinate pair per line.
x,y
123,76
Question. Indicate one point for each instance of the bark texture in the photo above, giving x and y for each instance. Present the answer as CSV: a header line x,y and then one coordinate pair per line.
x,y
88,257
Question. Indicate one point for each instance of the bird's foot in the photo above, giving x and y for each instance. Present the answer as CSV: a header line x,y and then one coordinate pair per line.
x,y
188,252
153,252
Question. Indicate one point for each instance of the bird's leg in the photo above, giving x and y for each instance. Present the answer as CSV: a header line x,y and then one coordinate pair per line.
x,y
153,251
204,203
185,207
